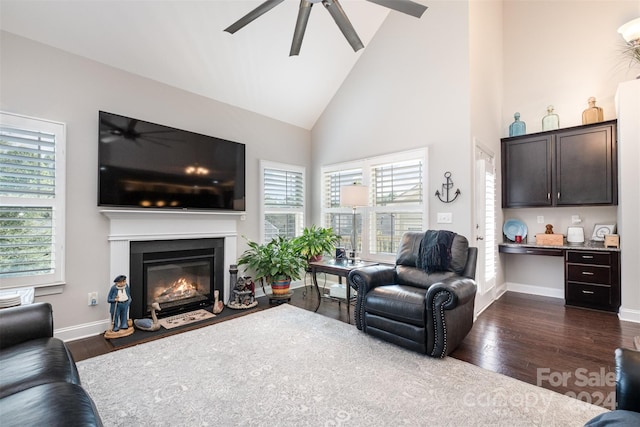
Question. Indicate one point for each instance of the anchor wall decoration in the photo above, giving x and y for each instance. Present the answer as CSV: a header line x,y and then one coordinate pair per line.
x,y
446,187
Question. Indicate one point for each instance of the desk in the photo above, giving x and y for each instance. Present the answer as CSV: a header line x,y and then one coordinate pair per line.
x,y
338,268
592,272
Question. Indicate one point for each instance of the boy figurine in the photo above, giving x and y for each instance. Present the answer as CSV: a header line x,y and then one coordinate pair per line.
x,y
120,298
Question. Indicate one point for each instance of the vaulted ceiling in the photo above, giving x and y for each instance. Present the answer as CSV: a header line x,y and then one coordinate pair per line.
x,y
182,43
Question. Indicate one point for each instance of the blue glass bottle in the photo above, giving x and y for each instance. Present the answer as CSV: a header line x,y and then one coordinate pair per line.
x,y
517,127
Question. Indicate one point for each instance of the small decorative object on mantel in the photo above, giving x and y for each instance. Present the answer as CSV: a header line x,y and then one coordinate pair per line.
x,y
447,186
548,229
551,121
517,128
592,114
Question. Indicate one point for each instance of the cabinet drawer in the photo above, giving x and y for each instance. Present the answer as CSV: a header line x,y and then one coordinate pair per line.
x,y
584,257
590,295
588,274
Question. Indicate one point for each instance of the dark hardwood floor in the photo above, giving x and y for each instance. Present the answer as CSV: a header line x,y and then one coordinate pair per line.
x,y
533,339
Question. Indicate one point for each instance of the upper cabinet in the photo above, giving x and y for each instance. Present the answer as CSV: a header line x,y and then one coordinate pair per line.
x,y
565,167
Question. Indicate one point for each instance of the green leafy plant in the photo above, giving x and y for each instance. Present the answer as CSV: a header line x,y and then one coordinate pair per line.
x,y
316,241
278,259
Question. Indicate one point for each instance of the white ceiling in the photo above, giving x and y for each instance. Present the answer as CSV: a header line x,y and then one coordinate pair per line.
x,y
182,43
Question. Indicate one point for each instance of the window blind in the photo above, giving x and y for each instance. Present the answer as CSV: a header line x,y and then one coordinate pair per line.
x,y
27,163
32,199
283,195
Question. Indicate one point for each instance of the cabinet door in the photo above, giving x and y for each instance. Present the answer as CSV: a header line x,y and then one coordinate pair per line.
x,y
526,172
585,172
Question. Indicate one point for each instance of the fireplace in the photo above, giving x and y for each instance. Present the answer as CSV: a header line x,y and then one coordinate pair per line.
x,y
181,275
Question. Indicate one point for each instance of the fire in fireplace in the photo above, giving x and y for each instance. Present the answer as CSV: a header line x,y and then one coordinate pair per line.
x,y
180,275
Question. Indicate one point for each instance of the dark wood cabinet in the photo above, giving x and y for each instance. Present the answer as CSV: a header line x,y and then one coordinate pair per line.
x,y
565,167
592,279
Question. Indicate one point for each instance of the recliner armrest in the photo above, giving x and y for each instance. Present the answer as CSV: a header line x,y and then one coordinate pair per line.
x,y
460,289
366,278
627,379
25,323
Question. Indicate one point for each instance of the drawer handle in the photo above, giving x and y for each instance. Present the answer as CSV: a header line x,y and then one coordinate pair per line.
x,y
587,273
529,252
588,292
587,256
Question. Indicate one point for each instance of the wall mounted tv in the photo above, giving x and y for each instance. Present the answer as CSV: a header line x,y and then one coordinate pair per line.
x,y
146,165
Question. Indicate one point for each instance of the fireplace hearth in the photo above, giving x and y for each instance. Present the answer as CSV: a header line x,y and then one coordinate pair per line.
x,y
180,275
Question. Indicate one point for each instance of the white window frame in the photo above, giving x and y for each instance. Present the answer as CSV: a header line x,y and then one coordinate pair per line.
x,y
57,203
367,213
266,164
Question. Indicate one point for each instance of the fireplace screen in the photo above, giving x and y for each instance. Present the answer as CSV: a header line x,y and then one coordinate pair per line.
x,y
180,283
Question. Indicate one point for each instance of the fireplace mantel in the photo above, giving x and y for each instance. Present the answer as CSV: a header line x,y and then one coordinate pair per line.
x,y
127,225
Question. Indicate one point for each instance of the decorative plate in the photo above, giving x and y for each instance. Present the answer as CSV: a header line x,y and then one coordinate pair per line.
x,y
513,228
600,230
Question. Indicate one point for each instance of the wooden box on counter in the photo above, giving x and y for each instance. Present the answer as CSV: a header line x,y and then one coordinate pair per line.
x,y
549,239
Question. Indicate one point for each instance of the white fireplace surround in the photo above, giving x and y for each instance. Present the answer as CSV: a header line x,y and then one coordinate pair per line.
x,y
127,226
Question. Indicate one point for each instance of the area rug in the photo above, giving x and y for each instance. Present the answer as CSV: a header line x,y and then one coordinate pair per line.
x,y
291,367
183,319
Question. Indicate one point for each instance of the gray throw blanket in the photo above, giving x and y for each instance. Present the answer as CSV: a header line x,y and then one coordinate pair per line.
x,y
435,250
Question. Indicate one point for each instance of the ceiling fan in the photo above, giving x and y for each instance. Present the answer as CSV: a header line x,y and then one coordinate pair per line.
x,y
333,6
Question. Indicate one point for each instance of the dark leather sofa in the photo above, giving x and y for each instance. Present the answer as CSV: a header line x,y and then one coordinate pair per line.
x,y
429,313
627,412
39,382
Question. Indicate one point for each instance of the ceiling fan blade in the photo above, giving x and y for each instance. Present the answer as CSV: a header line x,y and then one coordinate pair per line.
x,y
255,13
301,26
405,6
343,23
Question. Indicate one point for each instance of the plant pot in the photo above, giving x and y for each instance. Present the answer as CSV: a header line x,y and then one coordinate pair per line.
x,y
281,287
315,258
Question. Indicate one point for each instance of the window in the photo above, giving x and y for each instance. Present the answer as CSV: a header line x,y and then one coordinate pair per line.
x,y
397,201
32,165
283,200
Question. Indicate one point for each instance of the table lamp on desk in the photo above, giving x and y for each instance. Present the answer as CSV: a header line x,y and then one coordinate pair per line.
x,y
354,196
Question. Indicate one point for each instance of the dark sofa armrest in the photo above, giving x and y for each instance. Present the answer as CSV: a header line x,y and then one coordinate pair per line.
x,y
24,323
459,290
627,379
366,278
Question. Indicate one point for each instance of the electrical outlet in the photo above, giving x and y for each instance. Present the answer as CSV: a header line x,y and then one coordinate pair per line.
x,y
575,219
93,298
445,218
540,219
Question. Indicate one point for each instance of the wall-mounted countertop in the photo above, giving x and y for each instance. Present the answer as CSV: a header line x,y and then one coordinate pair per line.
x,y
532,248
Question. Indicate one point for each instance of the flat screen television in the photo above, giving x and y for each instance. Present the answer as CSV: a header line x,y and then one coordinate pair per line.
x,y
147,165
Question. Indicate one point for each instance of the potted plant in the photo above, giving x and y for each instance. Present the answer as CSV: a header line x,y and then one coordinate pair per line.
x,y
316,241
278,262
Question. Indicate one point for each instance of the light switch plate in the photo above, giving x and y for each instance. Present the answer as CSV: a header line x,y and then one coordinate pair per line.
x,y
445,218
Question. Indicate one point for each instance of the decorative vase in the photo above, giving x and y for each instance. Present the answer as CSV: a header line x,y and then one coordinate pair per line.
x,y
281,287
518,127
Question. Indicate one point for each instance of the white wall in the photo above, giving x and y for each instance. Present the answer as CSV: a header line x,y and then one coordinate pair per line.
x,y
628,106
409,89
43,82
486,76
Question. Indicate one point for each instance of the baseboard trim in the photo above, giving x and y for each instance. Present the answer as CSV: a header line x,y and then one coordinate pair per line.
x,y
84,330
535,290
629,315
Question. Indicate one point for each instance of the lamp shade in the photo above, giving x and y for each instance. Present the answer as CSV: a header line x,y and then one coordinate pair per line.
x,y
354,195
631,31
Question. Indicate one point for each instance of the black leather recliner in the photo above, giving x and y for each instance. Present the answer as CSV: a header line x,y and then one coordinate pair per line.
x,y
426,312
39,381
627,412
